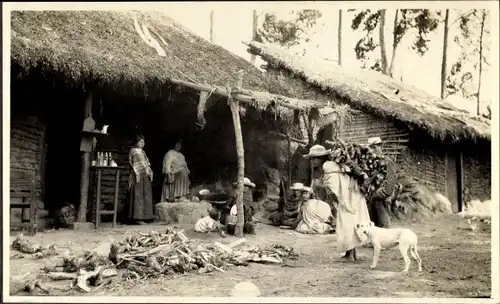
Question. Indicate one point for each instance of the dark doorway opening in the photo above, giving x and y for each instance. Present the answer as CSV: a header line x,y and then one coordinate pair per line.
x,y
63,157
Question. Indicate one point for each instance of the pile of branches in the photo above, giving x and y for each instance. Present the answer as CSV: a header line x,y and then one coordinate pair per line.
x,y
361,163
141,256
153,254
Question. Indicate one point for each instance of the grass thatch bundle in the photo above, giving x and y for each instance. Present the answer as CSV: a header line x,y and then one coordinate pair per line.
x,y
105,46
376,93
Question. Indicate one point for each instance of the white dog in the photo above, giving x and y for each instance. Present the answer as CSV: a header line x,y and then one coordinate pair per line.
x,y
404,238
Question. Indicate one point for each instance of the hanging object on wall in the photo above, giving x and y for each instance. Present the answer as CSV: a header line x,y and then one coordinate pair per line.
x,y
87,143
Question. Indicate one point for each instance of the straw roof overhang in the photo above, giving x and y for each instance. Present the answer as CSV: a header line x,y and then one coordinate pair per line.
x,y
375,93
104,47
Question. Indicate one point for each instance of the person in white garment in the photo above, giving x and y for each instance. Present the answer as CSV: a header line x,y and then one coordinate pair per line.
x,y
209,223
352,208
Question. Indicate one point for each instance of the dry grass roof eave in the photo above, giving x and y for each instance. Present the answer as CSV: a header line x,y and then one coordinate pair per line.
x,y
374,93
105,47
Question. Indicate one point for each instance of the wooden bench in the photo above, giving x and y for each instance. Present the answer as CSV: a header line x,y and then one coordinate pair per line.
x,y
22,189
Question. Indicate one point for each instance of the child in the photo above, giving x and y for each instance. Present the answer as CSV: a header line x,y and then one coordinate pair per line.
x,y
209,223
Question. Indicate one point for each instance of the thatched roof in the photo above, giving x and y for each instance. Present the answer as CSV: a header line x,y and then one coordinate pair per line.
x,y
105,47
374,93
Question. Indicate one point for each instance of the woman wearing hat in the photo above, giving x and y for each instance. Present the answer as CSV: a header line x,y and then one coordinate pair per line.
x,y
248,209
288,213
352,208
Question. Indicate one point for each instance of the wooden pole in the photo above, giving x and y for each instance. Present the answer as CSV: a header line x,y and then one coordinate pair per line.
x,y
245,96
240,152
84,176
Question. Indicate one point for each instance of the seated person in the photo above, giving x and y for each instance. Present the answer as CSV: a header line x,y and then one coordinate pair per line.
x,y
315,216
289,211
248,210
210,223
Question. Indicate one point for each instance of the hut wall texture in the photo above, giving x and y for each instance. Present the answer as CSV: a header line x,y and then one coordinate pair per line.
x,y
477,175
26,148
363,126
425,165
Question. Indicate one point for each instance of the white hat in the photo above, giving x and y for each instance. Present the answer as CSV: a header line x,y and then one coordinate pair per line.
x,y
246,182
204,192
316,151
374,141
307,189
297,186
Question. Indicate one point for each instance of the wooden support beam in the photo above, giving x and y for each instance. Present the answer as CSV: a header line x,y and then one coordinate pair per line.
x,y
244,96
85,173
240,152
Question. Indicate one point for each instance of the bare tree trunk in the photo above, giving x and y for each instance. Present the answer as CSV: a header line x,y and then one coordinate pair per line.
x,y
383,51
395,43
480,62
339,45
212,26
445,55
254,34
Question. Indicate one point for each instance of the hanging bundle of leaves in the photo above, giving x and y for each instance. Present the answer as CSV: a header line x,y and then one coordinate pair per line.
x,y
362,163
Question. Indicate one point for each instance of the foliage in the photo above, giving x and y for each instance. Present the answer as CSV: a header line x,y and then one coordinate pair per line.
x,y
464,73
421,21
287,33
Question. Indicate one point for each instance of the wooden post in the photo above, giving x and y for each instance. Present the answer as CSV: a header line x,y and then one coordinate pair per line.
x,y
461,180
289,167
240,152
84,176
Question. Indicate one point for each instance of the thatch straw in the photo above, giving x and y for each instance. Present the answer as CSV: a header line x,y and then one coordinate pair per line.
x,y
104,46
375,93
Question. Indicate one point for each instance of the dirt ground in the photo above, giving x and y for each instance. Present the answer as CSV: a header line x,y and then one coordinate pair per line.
x,y
456,263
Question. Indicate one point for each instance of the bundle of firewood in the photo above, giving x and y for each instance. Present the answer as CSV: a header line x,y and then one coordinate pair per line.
x,y
362,163
153,254
145,255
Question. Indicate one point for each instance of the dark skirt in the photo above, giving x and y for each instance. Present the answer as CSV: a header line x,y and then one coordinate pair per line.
x,y
140,200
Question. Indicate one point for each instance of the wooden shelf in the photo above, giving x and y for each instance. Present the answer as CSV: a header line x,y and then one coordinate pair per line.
x,y
94,133
107,167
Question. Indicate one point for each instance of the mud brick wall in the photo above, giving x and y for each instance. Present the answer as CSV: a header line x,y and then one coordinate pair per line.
x,y
26,149
426,165
363,126
477,175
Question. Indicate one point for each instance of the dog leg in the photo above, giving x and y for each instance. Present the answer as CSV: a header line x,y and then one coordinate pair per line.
x,y
404,252
376,254
414,254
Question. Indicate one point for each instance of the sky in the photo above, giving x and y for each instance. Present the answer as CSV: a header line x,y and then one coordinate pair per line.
x,y
233,24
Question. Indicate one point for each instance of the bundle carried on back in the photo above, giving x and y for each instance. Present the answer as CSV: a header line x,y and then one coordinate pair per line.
x,y
362,163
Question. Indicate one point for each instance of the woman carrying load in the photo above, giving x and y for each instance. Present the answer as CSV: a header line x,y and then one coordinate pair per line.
x,y
352,208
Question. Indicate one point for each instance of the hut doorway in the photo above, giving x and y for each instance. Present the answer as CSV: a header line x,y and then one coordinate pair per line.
x,y
453,180
63,159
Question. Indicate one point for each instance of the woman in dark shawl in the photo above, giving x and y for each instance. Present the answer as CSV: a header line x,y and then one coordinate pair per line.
x,y
140,198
